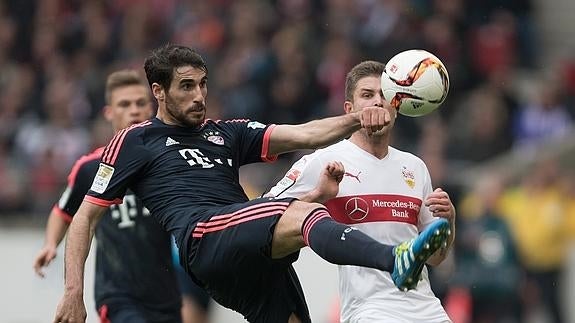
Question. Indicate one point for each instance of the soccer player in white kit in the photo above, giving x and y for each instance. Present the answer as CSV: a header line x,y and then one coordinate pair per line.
x,y
387,194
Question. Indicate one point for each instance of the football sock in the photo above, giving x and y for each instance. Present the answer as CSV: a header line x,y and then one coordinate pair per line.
x,y
343,245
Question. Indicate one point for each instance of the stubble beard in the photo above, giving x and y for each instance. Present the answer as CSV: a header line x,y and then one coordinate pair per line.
x,y
182,118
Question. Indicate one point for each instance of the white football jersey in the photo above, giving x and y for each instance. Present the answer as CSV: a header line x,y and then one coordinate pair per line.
x,y
384,199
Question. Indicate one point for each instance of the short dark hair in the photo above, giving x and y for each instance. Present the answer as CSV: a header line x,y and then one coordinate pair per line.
x,y
359,71
120,79
160,65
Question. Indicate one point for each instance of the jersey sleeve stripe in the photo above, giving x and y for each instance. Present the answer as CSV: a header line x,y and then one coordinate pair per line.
x,y
113,153
114,146
65,216
266,145
96,154
103,314
101,202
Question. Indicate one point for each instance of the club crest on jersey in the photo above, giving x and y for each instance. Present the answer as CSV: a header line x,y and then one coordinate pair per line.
x,y
214,137
256,125
102,179
408,177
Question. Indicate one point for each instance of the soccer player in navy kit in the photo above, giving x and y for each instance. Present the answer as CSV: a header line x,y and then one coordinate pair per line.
x,y
185,169
135,279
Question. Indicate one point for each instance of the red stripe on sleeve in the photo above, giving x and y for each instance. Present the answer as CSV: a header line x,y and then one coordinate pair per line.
x,y
103,312
114,153
112,146
84,159
266,145
115,145
65,216
101,202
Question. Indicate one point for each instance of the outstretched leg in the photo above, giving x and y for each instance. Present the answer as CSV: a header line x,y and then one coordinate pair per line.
x,y
310,224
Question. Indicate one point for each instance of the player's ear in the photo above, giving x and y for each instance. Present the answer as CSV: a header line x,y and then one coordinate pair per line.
x,y
347,107
107,111
158,92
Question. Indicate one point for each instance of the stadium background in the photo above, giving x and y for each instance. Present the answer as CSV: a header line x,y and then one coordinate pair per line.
x,y
503,143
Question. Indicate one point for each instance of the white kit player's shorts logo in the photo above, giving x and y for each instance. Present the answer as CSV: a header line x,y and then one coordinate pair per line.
x,y
356,208
102,179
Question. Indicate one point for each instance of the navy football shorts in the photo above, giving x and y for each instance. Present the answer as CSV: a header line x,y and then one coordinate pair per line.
x,y
230,254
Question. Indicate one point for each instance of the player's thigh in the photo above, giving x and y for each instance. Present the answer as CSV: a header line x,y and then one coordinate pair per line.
x,y
288,231
235,237
233,253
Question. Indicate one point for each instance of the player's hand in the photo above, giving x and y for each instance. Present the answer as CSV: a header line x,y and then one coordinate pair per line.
x,y
328,184
71,309
43,259
374,118
440,204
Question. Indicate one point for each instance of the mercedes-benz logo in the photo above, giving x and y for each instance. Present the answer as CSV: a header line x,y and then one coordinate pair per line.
x,y
356,208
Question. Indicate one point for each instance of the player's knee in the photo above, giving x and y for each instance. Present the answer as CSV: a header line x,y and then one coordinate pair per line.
x,y
293,218
302,210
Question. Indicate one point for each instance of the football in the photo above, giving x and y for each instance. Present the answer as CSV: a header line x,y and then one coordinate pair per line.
x,y
415,82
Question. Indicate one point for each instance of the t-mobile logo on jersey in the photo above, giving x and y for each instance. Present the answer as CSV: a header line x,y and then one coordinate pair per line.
x,y
195,157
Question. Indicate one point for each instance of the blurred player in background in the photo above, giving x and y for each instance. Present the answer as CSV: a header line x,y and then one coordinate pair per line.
x,y
386,193
186,171
135,278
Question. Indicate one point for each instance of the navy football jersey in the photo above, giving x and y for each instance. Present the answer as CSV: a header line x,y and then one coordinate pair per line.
x,y
180,172
133,253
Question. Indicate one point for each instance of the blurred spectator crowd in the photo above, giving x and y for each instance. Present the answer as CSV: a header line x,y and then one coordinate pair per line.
x,y
284,61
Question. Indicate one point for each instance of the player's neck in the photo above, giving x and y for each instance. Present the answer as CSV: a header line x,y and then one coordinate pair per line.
x,y
166,118
378,146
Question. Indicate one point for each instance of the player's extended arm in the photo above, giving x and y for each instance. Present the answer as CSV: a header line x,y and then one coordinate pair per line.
x,y
71,307
55,231
324,132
